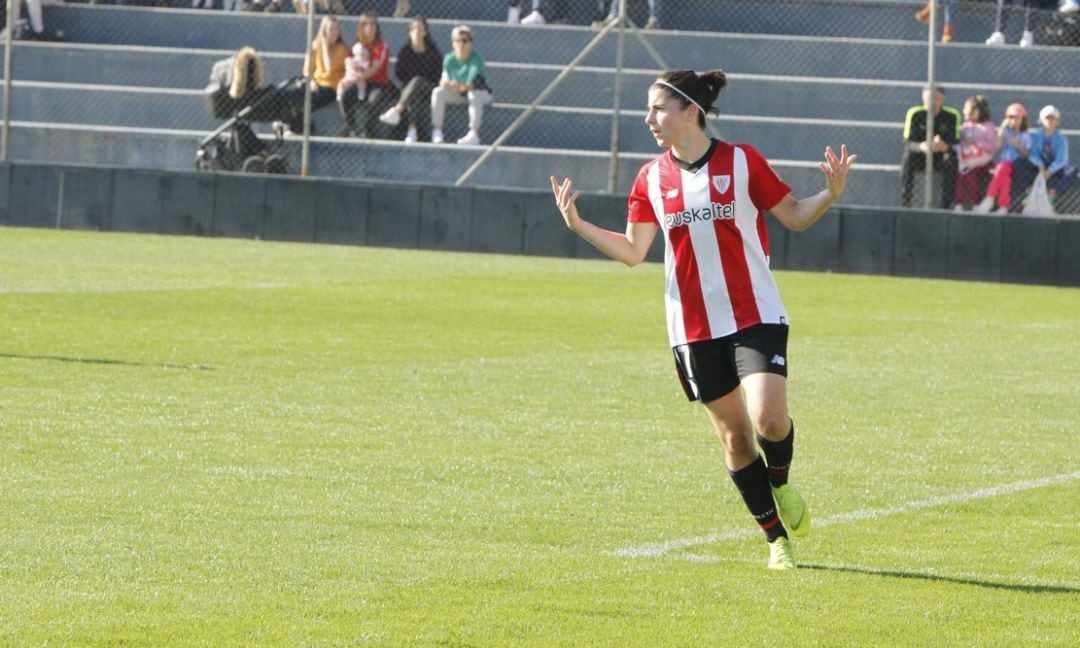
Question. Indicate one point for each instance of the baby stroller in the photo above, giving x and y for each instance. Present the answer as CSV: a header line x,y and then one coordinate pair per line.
x,y
234,94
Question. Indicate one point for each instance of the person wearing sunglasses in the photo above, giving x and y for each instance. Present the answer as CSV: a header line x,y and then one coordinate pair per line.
x,y
1014,142
463,81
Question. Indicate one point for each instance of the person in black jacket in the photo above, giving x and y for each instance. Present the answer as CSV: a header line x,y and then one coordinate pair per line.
x,y
947,121
419,66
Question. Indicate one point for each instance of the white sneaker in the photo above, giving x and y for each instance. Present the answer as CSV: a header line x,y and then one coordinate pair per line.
x,y
985,206
1068,7
1028,39
513,15
410,137
997,38
535,18
652,23
958,209
391,117
471,138
436,136
600,24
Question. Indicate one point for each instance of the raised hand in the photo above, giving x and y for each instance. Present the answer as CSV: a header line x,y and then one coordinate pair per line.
x,y
835,169
565,197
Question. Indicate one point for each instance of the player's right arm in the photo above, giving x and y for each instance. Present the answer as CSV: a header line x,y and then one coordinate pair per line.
x,y
629,247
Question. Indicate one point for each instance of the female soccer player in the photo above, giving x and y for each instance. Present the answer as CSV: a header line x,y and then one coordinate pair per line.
x,y
726,322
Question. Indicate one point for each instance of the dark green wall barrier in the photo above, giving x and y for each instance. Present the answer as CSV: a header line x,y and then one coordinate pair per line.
x,y
508,221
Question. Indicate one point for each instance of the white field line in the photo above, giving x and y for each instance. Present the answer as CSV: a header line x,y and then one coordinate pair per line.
x,y
999,580
657,549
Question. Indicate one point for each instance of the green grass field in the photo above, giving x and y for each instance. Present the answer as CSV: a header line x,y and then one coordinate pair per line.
x,y
227,442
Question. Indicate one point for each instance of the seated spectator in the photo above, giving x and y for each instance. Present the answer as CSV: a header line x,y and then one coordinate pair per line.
x,y
355,67
946,133
237,82
1014,141
233,82
948,30
978,144
419,66
613,14
1027,39
373,78
324,64
1049,156
463,81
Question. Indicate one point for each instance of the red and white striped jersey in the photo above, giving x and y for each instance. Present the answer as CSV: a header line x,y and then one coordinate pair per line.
x,y
716,256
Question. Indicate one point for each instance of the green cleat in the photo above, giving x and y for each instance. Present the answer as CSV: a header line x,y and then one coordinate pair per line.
x,y
781,555
794,512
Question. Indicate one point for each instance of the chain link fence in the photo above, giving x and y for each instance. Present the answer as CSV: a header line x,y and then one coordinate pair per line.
x,y
250,86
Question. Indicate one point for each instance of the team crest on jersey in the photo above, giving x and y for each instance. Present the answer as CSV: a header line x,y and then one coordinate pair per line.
x,y
721,182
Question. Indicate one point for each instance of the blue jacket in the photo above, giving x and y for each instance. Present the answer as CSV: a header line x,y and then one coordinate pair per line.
x,y
1058,144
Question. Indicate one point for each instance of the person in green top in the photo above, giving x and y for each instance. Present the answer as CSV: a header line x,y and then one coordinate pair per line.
x,y
463,81
947,122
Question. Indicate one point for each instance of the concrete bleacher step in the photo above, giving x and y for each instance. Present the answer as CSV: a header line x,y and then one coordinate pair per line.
x,y
379,159
557,128
873,19
570,128
871,185
857,55
590,87
141,71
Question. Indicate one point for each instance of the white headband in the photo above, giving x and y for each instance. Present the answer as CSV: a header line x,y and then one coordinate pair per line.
x,y
688,97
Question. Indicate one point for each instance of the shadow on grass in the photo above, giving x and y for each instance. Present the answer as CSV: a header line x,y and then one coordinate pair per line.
x,y
893,573
105,361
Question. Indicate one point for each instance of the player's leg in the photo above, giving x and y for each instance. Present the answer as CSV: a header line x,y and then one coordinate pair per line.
x,y
766,395
747,470
761,359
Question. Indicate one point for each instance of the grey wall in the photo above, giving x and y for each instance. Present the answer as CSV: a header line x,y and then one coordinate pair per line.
x,y
848,239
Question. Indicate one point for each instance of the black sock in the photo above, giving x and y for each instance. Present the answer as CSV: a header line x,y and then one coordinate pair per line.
x,y
753,483
778,456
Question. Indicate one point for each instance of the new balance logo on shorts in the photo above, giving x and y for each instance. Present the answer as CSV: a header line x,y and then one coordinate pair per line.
x,y
778,360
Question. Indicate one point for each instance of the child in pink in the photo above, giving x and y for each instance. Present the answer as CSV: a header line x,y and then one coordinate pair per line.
x,y
978,143
355,66
1015,143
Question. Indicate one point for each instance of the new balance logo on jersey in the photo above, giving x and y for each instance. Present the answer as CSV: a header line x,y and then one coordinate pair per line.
x,y
715,211
778,360
721,182
672,193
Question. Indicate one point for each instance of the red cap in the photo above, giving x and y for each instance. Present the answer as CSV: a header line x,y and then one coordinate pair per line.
x,y
1017,109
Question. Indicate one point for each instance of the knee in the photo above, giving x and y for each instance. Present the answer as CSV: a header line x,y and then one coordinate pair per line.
x,y
479,97
773,425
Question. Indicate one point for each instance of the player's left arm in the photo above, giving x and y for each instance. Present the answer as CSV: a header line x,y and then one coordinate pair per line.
x,y
800,214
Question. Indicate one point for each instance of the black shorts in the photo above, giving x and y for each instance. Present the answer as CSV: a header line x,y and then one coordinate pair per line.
x,y
712,368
